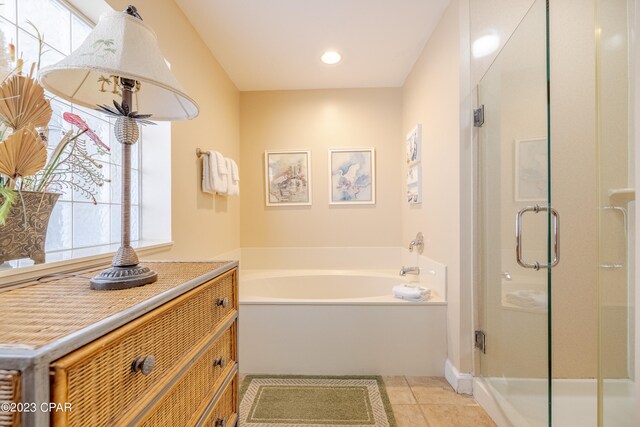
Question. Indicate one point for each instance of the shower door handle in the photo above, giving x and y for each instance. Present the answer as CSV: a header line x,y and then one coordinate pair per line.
x,y
555,231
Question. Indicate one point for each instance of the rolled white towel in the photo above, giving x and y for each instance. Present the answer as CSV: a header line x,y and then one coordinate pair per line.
x,y
411,293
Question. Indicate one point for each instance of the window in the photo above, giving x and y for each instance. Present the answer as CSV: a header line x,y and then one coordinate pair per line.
x,y
76,222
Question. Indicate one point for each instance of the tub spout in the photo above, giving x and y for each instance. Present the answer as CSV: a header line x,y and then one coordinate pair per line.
x,y
409,270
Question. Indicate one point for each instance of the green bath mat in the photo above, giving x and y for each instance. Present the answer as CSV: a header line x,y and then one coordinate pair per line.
x,y
273,401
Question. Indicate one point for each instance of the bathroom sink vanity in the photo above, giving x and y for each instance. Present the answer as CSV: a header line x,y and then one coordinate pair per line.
x,y
158,355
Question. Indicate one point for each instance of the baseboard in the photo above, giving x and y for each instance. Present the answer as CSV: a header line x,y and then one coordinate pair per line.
x,y
462,383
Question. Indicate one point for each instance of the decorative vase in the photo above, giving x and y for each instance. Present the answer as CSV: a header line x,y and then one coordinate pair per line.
x,y
24,233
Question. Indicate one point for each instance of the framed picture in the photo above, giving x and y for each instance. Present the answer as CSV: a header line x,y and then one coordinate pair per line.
x,y
287,178
414,145
414,184
352,176
530,167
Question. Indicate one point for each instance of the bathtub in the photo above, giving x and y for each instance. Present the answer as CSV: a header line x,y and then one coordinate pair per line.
x,y
324,287
329,322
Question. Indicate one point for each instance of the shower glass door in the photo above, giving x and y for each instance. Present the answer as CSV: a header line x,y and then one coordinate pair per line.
x,y
514,200
616,199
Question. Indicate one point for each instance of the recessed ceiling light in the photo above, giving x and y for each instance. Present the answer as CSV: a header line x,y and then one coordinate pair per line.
x,y
331,57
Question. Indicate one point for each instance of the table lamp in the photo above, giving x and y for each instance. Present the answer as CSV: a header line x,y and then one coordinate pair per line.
x,y
121,58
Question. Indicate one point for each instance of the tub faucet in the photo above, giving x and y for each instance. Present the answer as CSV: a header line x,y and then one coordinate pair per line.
x,y
409,270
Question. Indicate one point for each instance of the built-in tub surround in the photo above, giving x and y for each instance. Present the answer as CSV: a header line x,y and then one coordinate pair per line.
x,y
339,321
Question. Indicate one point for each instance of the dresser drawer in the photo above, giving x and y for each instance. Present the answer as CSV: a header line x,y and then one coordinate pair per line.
x,y
10,394
189,397
225,410
109,376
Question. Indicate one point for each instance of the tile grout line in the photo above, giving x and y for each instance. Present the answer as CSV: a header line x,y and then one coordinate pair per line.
x,y
421,406
411,390
424,416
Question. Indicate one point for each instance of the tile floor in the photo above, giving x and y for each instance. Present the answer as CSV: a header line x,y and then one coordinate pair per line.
x,y
431,402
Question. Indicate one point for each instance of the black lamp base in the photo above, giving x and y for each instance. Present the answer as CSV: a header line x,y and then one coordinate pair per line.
x,y
117,278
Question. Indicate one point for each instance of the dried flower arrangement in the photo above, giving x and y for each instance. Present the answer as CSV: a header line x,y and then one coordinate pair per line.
x,y
25,114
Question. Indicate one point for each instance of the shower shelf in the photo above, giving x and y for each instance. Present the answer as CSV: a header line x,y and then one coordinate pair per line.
x,y
622,195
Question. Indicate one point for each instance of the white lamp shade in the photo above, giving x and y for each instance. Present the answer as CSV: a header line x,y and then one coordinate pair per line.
x,y
124,46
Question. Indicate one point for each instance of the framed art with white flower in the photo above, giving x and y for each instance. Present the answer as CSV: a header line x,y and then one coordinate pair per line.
x,y
352,176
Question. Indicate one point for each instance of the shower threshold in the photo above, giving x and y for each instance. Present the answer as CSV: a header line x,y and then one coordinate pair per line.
x,y
522,402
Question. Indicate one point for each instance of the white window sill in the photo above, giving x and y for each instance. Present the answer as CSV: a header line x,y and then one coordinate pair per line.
x,y
77,259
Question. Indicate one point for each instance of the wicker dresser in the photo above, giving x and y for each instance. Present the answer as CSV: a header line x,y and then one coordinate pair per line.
x,y
160,355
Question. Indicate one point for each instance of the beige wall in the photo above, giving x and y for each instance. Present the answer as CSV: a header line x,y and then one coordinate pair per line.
x,y
431,96
635,241
318,120
202,225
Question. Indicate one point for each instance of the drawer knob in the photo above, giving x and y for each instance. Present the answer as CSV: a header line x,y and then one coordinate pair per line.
x,y
221,422
143,364
222,302
219,362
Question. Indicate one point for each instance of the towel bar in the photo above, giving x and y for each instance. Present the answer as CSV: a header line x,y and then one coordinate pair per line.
x,y
200,153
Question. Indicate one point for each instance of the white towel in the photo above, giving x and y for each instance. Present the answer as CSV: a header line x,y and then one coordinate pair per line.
x,y
234,178
206,174
411,293
222,163
235,173
527,298
215,173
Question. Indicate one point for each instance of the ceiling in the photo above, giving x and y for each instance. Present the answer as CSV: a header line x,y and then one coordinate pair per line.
x,y
277,44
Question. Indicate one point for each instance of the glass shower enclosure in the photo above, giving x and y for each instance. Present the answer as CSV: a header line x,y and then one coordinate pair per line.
x,y
513,146
556,216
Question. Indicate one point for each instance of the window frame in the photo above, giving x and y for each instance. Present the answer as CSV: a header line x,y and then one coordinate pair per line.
x,y
156,169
